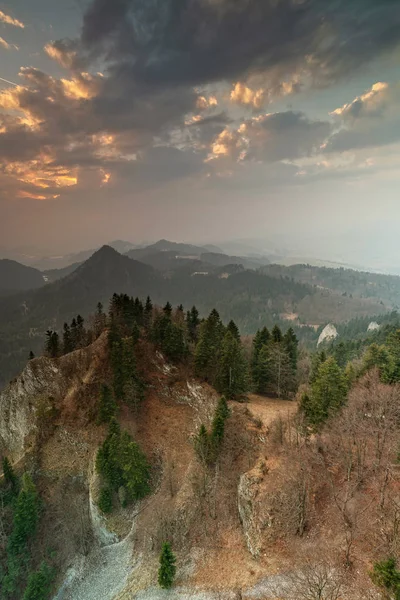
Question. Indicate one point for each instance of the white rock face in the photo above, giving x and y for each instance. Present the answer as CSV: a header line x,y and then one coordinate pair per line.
x,y
43,383
373,326
328,334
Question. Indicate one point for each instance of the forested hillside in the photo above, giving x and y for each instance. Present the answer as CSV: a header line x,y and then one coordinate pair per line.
x,y
345,281
249,297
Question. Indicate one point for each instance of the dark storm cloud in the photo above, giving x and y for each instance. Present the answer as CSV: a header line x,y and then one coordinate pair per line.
x,y
190,42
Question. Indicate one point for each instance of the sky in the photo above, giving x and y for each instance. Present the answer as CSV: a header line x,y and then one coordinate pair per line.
x,y
202,121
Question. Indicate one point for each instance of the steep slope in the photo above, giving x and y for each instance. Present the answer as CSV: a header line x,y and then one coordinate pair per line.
x,y
55,274
275,504
15,277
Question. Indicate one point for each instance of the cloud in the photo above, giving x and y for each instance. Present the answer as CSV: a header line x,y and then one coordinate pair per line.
x,y
166,42
65,52
370,120
6,45
241,94
272,137
10,20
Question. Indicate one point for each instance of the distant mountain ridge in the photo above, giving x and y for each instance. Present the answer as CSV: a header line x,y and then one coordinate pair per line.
x,y
250,297
15,277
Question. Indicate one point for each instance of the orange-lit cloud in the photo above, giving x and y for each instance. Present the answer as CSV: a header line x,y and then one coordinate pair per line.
x,y
105,177
241,94
203,102
41,174
82,87
63,55
10,21
6,45
370,100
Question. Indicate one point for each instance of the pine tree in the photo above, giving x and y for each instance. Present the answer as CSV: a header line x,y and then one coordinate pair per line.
x,y
52,347
174,344
121,463
31,355
261,339
276,334
261,370
39,583
209,347
168,309
234,330
80,332
291,343
135,468
387,577
202,445
106,500
192,321
167,570
232,377
316,361
148,313
380,358
9,476
26,516
107,405
328,393
67,339
99,320
74,334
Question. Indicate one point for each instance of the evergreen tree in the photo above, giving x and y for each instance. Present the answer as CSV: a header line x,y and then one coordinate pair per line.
x,y
135,468
209,347
167,570
107,405
174,344
276,334
231,378
328,393
261,338
386,576
39,584
67,339
106,500
80,332
121,463
261,370
168,309
218,425
148,313
74,333
52,346
192,321
234,330
31,355
26,516
9,476
316,361
380,358
291,343
202,445
127,384
99,320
